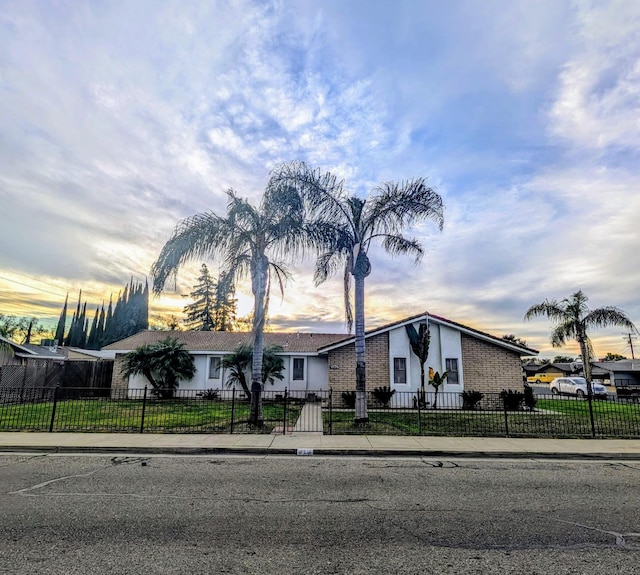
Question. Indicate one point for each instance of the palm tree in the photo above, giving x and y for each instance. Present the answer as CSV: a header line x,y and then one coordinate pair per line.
x,y
163,364
236,363
249,242
239,360
349,226
573,319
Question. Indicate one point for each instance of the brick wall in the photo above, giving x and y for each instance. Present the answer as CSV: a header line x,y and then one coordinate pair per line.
x,y
118,382
342,366
489,368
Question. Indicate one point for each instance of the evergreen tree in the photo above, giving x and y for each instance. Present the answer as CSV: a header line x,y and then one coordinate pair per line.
x,y
213,306
200,313
225,306
91,338
61,322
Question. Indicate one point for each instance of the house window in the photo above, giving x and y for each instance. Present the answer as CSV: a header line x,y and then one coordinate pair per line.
x,y
451,366
399,370
298,368
214,368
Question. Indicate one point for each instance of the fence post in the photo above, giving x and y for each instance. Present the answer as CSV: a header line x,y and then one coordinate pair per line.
x,y
284,426
420,417
506,417
144,407
55,403
233,407
331,412
593,424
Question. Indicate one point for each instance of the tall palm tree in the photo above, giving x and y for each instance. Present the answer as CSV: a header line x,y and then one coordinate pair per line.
x,y
573,318
249,242
350,225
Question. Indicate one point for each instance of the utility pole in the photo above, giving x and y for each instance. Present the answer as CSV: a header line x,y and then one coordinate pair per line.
x,y
630,337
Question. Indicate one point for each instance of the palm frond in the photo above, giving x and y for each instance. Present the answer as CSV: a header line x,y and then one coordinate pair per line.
x,y
399,245
608,316
322,192
392,206
327,264
281,273
549,308
563,332
200,236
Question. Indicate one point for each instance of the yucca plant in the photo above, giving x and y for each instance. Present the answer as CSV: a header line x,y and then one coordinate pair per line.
x,y
436,380
383,395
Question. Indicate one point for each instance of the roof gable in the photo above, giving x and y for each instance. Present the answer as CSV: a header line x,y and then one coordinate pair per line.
x,y
522,350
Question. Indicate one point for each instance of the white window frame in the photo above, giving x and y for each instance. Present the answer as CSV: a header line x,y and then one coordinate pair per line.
x,y
218,369
457,370
406,371
293,369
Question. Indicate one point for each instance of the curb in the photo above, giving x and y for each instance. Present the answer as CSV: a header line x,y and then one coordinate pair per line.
x,y
332,452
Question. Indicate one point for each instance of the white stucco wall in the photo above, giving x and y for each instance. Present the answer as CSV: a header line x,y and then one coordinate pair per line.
x,y
445,343
315,377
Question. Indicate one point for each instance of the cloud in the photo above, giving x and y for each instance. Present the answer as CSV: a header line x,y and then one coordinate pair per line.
x,y
121,119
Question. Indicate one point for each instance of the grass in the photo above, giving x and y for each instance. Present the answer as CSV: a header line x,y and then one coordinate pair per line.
x,y
552,418
178,416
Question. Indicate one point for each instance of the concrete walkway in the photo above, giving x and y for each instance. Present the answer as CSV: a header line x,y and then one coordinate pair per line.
x,y
310,418
310,443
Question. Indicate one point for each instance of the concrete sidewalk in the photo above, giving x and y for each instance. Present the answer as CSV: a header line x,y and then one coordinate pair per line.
x,y
311,443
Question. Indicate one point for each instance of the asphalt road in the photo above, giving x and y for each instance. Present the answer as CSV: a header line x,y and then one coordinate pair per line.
x,y
191,515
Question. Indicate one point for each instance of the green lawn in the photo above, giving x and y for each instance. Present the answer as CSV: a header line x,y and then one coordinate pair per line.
x,y
552,418
179,416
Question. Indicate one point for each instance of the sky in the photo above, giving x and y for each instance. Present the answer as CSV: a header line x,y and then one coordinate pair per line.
x,y
119,119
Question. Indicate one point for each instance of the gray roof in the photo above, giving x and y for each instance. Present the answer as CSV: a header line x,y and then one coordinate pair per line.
x,y
623,365
31,351
227,341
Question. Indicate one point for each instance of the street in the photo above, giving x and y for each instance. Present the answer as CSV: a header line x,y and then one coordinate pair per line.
x,y
282,514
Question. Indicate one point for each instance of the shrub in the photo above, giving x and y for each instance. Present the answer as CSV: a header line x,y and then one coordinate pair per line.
x,y
512,400
529,399
349,398
211,395
383,395
471,398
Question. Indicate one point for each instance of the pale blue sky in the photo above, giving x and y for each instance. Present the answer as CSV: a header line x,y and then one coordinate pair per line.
x,y
121,118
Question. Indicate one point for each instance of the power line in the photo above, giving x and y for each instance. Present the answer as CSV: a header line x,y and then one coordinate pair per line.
x,y
30,286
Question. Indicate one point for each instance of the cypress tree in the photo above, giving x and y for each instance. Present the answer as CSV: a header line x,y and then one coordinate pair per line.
x,y
60,328
91,338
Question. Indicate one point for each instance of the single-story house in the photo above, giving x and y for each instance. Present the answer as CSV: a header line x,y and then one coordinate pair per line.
x,y
12,353
474,359
623,374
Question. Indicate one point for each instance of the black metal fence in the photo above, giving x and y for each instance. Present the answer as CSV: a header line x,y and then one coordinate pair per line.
x,y
492,415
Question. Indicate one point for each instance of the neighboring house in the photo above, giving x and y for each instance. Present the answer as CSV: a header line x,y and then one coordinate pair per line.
x,y
624,374
27,354
319,361
563,369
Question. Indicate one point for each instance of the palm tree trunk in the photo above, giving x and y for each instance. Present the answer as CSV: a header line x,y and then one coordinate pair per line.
x,y
586,362
259,273
361,381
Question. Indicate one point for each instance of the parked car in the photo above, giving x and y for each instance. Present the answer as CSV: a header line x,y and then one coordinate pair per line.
x,y
576,386
538,378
